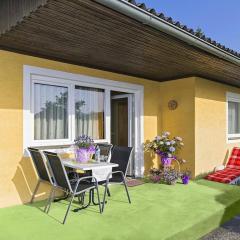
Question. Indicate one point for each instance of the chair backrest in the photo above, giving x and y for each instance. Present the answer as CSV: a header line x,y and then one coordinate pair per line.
x,y
121,156
234,159
58,170
105,149
40,165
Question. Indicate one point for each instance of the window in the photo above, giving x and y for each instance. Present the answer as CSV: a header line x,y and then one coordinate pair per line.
x,y
58,106
233,116
89,112
50,112
63,111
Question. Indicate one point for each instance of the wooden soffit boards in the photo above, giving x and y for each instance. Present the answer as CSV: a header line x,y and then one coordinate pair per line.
x,y
86,33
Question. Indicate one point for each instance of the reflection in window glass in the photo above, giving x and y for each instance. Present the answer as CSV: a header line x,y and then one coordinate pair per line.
x,y
50,112
233,117
89,112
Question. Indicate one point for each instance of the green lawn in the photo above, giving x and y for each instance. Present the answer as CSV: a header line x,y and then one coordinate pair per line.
x,y
157,212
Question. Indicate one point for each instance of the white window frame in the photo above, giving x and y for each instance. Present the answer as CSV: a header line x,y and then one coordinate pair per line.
x,y
50,141
33,74
231,97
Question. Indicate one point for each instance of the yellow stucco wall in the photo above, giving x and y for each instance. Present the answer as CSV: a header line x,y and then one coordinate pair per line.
x,y
17,178
200,119
180,122
211,147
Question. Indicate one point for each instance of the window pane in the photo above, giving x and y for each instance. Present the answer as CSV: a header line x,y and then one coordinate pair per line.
x,y
50,112
233,117
89,112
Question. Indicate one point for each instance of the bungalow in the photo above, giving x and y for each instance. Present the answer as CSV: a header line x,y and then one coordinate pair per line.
x,y
114,70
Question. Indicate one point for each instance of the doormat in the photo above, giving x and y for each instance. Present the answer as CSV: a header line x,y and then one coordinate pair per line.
x,y
134,182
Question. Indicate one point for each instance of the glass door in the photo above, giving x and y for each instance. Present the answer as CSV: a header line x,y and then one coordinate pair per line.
x,y
121,122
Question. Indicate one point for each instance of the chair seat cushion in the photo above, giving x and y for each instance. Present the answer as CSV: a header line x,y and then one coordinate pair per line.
x,y
224,176
117,178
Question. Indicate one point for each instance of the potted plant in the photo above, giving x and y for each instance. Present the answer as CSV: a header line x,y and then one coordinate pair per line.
x,y
84,148
185,176
167,175
156,175
165,147
170,176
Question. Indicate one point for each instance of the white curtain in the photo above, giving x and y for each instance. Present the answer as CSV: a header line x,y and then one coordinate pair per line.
x,y
50,112
89,112
233,117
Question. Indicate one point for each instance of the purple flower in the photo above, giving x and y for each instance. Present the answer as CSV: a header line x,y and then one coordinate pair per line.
x,y
84,141
91,149
178,139
158,138
172,149
166,133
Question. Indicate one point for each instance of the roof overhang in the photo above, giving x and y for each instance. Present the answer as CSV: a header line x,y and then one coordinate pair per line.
x,y
150,19
119,37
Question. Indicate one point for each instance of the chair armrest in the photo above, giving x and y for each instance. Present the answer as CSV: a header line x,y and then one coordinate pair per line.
x,y
72,180
219,167
83,179
111,173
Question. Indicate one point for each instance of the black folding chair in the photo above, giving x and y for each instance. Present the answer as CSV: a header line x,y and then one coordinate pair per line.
x,y
42,170
74,189
121,156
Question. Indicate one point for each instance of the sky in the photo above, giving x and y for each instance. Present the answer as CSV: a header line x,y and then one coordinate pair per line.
x,y
219,19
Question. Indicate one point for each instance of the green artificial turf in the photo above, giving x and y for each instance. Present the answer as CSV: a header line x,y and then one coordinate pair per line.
x,y
157,212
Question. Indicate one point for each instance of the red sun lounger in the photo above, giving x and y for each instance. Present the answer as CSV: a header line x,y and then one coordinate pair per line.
x,y
231,174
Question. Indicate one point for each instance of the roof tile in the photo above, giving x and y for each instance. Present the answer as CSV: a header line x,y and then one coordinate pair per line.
x,y
183,27
152,11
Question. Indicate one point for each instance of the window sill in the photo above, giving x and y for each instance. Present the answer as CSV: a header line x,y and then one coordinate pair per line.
x,y
233,140
59,143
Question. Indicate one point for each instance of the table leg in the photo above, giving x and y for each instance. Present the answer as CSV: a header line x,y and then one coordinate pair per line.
x,y
81,198
66,195
90,201
93,201
87,205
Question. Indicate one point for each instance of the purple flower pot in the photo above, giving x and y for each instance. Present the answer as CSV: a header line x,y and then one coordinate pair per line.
x,y
185,179
166,161
82,155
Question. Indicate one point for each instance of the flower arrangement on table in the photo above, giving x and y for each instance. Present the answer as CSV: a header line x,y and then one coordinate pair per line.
x,y
84,148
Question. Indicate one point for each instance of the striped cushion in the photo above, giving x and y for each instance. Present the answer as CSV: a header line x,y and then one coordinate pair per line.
x,y
234,160
224,176
232,170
